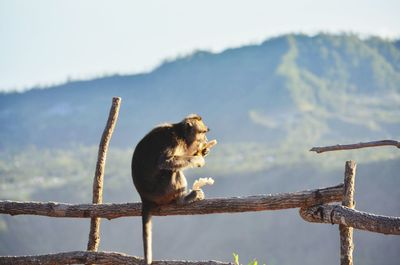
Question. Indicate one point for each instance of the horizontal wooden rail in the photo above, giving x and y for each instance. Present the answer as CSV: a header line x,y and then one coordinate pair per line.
x,y
84,257
355,146
337,214
208,206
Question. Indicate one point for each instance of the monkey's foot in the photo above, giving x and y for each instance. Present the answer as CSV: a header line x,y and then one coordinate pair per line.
x,y
199,195
193,196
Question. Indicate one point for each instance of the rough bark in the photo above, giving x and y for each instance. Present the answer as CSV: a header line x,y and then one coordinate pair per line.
x,y
84,257
207,206
337,214
346,233
94,234
355,146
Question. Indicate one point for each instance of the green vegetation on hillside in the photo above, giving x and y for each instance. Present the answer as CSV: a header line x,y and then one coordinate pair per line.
x,y
33,168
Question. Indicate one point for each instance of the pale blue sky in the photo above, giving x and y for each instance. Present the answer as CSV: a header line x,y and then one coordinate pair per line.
x,y
46,41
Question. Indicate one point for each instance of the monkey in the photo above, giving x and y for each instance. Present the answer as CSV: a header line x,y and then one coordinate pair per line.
x,y
157,167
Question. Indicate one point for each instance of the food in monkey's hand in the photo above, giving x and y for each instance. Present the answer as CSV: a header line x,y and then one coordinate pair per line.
x,y
206,148
211,143
199,183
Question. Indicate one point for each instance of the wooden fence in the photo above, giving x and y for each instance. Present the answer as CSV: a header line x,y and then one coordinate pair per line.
x,y
314,207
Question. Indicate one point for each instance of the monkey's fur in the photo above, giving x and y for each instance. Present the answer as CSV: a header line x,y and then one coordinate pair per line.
x,y
157,165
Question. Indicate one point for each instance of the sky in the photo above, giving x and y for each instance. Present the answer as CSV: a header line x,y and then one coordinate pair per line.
x,y
47,42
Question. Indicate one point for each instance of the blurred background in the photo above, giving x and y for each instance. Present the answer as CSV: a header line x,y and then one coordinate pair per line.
x,y
270,79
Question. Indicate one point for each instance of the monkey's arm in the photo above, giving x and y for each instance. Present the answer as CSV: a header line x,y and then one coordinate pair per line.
x,y
180,162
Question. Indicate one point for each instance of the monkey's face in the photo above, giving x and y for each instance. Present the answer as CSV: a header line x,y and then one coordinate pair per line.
x,y
196,134
200,136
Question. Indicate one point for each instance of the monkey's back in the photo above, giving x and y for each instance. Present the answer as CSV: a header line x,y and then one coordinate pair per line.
x,y
146,175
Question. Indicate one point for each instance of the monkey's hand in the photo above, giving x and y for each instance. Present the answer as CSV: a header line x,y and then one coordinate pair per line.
x,y
197,161
207,147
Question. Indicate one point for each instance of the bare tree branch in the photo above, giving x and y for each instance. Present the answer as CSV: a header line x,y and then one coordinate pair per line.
x,y
355,146
208,206
337,214
94,234
84,257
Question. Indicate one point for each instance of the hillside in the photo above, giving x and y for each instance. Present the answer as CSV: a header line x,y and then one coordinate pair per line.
x,y
267,104
338,87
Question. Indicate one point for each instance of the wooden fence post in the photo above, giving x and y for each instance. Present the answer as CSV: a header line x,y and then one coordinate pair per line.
x,y
346,233
94,234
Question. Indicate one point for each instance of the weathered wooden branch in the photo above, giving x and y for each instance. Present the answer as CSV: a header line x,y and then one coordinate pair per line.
x,y
84,257
207,206
337,214
355,146
346,233
94,234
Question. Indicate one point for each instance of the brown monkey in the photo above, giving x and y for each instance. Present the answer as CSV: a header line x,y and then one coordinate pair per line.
x,y
157,165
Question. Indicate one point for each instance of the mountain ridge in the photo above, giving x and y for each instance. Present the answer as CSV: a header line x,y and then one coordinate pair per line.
x,y
282,79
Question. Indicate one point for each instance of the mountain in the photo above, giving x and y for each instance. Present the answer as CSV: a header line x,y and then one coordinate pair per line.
x,y
267,104
261,92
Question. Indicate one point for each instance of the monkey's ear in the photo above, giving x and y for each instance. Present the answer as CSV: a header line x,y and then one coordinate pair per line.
x,y
189,127
189,124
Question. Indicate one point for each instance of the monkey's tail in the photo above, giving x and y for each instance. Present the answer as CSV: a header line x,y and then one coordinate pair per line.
x,y
147,235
